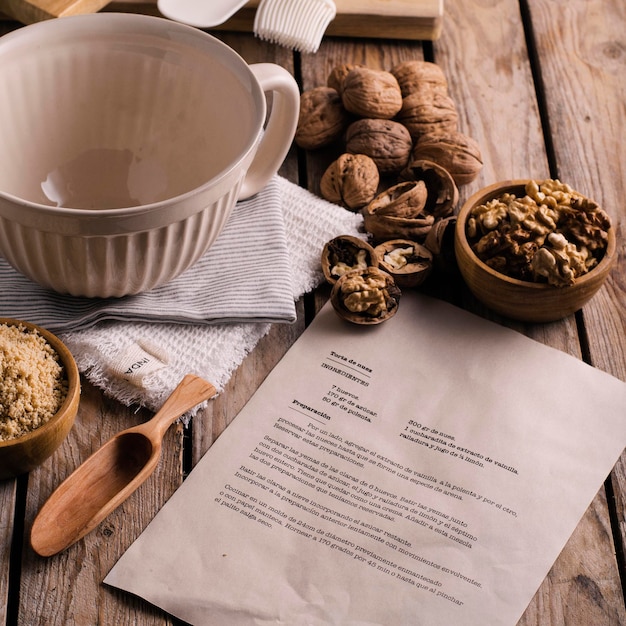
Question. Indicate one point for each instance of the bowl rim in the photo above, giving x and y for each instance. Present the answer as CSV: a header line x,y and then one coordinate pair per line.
x,y
73,379
493,190
118,24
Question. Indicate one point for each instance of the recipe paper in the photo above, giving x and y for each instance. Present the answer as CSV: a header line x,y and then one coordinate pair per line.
x,y
424,471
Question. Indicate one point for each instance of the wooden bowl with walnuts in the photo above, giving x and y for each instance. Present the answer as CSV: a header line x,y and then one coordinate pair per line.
x,y
39,395
534,251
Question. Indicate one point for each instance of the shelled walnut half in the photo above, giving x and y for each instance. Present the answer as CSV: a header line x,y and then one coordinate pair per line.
x,y
344,254
368,296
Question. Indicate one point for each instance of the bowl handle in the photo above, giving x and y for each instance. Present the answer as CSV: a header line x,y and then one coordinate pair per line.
x,y
279,129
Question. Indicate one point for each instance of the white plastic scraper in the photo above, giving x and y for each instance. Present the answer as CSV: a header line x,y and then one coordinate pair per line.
x,y
200,13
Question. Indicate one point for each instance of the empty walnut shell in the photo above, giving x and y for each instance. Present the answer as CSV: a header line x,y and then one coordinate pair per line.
x,y
408,262
344,254
440,241
443,194
368,296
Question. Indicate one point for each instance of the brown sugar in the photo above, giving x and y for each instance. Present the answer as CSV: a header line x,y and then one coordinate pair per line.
x,y
33,384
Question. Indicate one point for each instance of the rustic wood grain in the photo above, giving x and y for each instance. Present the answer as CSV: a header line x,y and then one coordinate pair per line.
x,y
483,51
72,580
494,81
7,517
577,40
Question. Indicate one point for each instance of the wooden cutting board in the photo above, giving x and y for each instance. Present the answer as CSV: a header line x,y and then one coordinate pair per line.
x,y
386,19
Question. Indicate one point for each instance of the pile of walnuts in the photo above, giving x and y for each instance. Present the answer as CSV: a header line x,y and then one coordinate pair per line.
x,y
390,123
402,157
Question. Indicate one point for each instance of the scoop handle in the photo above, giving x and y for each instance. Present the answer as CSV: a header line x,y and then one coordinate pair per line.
x,y
114,471
190,391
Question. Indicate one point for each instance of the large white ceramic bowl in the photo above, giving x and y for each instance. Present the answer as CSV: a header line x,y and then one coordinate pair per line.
x,y
126,141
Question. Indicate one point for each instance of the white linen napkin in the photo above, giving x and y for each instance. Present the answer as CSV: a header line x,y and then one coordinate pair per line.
x,y
142,361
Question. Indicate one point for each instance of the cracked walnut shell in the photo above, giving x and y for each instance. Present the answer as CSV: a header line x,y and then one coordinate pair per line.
x,y
351,181
443,194
344,254
399,213
408,262
368,296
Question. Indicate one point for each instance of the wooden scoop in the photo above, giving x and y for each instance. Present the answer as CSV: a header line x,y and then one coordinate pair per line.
x,y
111,474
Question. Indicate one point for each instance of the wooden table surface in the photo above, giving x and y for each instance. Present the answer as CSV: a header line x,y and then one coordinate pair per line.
x,y
541,85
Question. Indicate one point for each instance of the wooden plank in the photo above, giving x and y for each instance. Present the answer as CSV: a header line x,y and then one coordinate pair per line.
x,y
586,45
387,19
7,516
72,580
577,41
30,11
398,19
493,80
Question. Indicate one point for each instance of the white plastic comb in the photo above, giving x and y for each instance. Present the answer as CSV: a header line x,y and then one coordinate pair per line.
x,y
296,24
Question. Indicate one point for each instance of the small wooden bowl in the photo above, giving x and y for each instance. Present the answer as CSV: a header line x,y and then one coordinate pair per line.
x,y
518,299
26,452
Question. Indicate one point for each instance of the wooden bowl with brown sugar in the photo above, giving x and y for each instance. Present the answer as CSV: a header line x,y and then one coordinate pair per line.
x,y
39,395
528,300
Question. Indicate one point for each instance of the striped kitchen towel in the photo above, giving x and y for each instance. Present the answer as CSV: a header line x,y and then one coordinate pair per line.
x,y
244,276
106,351
266,258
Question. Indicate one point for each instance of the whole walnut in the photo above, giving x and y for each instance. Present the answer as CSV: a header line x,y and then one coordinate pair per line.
x,y
338,74
428,113
413,76
322,118
455,151
371,93
351,181
386,142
